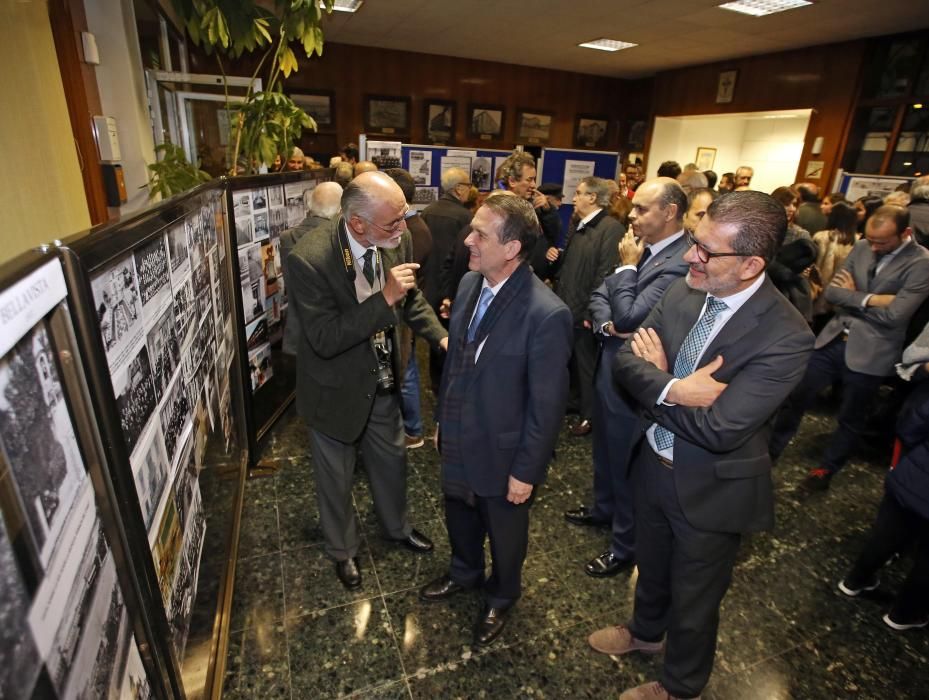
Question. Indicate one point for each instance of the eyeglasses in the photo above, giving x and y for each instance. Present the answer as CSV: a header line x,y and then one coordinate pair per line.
x,y
703,254
393,226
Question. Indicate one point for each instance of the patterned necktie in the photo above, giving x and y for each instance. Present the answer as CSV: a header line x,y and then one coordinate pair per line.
x,y
687,358
368,268
482,304
644,259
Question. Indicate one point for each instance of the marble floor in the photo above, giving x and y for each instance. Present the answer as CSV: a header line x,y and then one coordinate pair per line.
x,y
785,631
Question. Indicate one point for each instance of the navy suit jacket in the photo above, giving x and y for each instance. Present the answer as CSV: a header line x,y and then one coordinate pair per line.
x,y
516,395
722,468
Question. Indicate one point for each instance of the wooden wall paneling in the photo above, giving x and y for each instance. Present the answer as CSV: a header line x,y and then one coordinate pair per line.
x,y
68,20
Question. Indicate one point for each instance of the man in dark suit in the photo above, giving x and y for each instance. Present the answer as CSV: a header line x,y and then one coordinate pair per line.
x,y
324,204
351,283
617,307
589,256
709,367
882,284
503,395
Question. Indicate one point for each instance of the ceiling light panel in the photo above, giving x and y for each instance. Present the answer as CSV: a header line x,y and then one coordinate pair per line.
x,y
607,44
760,8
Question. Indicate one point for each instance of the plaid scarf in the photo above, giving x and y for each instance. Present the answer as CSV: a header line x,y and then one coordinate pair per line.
x,y
459,369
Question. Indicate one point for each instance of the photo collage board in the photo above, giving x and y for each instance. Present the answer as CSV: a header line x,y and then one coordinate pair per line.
x,y
261,215
64,627
166,324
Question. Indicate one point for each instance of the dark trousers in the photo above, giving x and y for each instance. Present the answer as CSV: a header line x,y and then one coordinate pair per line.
x,y
583,362
893,531
858,391
615,425
507,526
683,575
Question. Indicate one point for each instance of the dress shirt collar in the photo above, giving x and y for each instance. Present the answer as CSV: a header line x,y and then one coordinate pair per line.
x,y
664,243
587,219
735,301
358,250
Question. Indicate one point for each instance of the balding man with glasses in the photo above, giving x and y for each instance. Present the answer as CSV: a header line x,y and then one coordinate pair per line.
x,y
350,284
708,368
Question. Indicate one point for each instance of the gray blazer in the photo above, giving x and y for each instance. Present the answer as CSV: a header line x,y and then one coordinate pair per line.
x,y
876,335
722,469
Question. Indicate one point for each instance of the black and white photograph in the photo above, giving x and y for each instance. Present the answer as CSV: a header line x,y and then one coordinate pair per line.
x,y
485,121
278,218
164,351
175,415
150,471
254,299
151,266
208,225
481,173
440,121
261,229
259,200
135,681
534,127
318,106
135,396
119,310
20,663
242,203
197,246
185,583
420,167
271,268
275,196
38,439
387,115
177,250
425,195
296,199
185,313
590,132
259,366
244,230
201,279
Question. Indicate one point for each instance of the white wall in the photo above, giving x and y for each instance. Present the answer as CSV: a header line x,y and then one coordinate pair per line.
x,y
121,82
772,146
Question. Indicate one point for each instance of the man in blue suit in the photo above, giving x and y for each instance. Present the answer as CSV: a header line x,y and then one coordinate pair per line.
x,y
617,307
502,398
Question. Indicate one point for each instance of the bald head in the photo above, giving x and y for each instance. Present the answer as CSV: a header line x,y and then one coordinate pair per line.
x,y
364,166
658,209
325,200
374,208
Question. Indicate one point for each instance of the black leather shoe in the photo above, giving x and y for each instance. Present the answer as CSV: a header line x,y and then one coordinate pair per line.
x,y
440,589
490,625
583,516
416,542
349,573
581,429
607,564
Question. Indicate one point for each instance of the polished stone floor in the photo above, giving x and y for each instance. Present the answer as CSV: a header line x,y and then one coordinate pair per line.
x,y
785,632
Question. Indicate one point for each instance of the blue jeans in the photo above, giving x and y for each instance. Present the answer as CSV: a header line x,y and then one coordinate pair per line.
x,y
409,398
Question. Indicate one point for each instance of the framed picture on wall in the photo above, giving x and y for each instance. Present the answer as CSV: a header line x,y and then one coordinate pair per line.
x,y
590,131
485,121
440,121
725,86
533,126
386,115
706,157
319,104
636,140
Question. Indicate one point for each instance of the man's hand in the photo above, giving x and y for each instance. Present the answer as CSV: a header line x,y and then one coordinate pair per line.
x,y
552,254
843,278
518,491
647,345
444,343
881,300
630,251
699,390
539,200
445,308
400,280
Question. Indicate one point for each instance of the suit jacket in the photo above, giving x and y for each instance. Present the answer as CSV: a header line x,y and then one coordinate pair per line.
x,y
518,388
589,256
445,217
626,298
722,468
336,365
876,335
289,239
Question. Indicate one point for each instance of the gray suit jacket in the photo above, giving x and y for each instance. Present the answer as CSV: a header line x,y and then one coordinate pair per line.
x,y
336,365
722,469
876,335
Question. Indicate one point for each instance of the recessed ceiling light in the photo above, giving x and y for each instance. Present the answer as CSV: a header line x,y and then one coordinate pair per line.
x,y
760,8
607,44
345,5
918,105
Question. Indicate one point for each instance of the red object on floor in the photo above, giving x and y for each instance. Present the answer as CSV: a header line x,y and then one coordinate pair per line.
x,y
898,449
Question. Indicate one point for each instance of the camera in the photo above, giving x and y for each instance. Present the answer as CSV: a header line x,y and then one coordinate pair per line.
x,y
385,370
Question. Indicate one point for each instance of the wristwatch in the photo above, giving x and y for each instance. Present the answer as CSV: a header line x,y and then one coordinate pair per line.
x,y
606,328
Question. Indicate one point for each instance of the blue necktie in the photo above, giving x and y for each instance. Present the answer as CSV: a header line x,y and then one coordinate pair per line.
x,y
482,304
687,358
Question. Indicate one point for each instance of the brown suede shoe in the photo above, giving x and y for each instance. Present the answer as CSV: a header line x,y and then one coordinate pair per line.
x,y
649,691
618,640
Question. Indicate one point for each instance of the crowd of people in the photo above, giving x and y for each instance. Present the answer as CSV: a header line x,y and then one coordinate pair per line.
x,y
687,320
